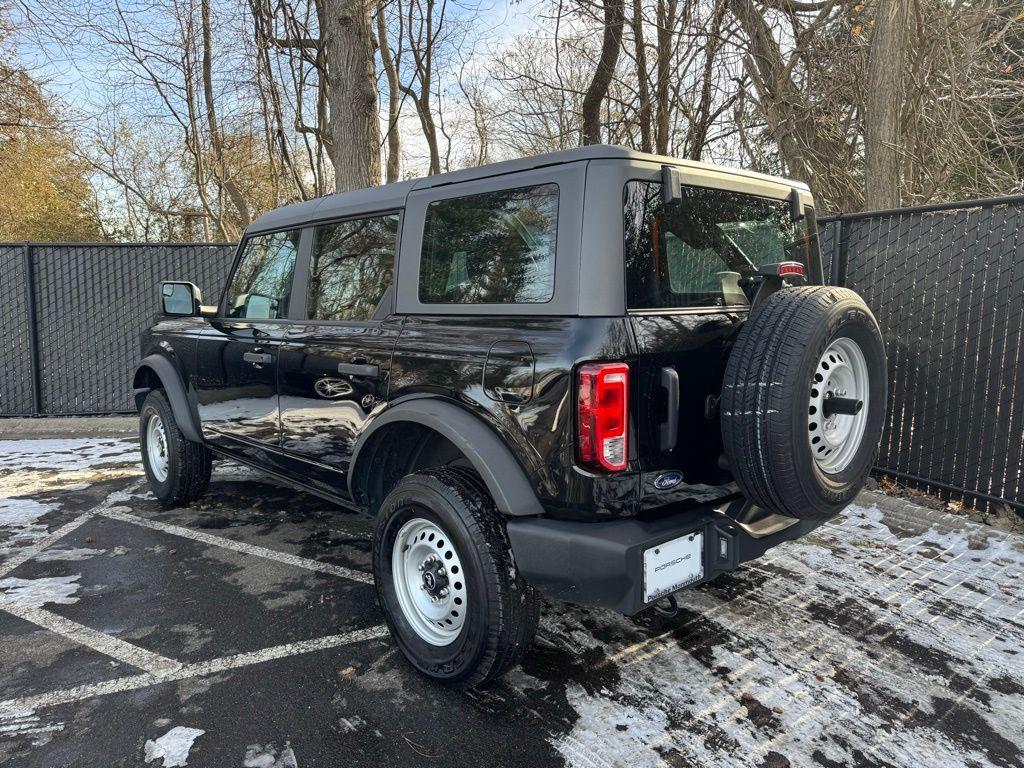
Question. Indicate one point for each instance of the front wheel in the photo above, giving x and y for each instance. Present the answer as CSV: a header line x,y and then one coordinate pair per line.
x,y
442,563
178,470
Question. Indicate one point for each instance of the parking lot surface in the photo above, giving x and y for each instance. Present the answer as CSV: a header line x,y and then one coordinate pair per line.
x,y
243,631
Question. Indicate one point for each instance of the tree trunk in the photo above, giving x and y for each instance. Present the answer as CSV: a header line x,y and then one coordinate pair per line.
x,y
221,174
887,65
666,27
703,117
614,18
352,93
644,110
394,96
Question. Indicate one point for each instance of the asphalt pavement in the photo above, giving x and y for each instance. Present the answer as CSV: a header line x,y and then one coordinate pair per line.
x,y
244,631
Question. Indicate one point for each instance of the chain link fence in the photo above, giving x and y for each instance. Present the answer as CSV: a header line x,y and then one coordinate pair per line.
x,y
73,315
946,283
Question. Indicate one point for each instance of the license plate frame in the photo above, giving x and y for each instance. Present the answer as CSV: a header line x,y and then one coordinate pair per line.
x,y
672,565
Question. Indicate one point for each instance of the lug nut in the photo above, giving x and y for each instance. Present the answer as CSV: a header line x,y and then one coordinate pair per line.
x,y
441,571
444,592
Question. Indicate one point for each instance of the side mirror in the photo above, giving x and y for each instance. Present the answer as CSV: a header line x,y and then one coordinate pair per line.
x,y
180,299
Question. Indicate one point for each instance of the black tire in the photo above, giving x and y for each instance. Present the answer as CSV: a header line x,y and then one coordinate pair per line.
x,y
766,394
188,463
502,610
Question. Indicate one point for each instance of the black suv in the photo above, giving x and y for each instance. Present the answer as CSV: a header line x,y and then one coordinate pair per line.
x,y
595,375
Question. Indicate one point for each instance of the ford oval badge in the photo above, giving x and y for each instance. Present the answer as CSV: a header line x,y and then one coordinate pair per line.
x,y
667,480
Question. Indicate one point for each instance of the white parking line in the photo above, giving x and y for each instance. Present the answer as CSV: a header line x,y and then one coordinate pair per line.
x,y
101,642
17,707
24,554
238,546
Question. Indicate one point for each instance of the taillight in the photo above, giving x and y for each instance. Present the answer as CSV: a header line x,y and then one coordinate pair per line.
x,y
791,268
603,415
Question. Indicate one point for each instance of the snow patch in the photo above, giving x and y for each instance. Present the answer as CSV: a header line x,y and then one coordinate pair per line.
x,y
35,593
173,747
69,454
266,756
72,554
19,523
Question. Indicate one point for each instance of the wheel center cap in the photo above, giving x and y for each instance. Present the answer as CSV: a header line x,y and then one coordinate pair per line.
x,y
435,578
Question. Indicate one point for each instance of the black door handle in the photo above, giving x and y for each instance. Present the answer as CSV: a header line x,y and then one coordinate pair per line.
x,y
257,358
360,370
668,431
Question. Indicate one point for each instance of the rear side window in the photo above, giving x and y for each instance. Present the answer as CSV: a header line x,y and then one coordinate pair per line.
x,y
492,248
692,253
262,282
351,267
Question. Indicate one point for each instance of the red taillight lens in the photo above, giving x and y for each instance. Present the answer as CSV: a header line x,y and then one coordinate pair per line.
x,y
603,415
791,268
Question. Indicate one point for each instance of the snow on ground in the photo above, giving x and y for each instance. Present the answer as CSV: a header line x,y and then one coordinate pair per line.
x,y
173,747
34,466
891,636
66,455
21,523
860,644
35,593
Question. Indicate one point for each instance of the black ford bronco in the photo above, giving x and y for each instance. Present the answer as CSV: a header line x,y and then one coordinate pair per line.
x,y
595,375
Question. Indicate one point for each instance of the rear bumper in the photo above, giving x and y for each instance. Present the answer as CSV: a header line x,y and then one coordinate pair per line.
x,y
601,564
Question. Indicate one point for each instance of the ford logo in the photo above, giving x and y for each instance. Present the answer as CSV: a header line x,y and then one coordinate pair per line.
x,y
667,480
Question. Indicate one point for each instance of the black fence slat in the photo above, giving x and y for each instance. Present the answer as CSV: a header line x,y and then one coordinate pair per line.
x,y
946,283
92,301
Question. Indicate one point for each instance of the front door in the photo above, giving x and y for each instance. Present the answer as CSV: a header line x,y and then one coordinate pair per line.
x,y
237,356
334,365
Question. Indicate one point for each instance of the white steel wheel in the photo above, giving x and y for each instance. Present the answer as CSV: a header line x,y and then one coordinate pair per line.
x,y
156,447
841,372
429,581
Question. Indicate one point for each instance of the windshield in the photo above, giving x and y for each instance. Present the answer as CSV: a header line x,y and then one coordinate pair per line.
x,y
693,252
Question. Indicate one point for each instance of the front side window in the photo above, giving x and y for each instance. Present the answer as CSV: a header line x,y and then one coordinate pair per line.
x,y
491,248
351,267
691,253
262,281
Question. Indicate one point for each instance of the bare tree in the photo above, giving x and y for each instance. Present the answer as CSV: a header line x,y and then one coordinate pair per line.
x,y
345,26
887,68
389,62
614,19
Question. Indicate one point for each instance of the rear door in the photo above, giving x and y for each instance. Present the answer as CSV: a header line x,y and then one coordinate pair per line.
x,y
685,262
236,356
335,358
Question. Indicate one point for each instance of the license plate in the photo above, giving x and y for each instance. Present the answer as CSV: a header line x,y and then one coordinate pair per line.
x,y
671,566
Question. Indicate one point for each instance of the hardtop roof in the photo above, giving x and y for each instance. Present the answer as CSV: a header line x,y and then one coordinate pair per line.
x,y
392,196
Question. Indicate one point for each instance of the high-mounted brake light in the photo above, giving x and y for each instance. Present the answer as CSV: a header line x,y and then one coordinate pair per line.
x,y
791,268
603,415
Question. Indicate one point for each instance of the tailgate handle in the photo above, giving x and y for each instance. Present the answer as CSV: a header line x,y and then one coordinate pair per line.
x,y
668,431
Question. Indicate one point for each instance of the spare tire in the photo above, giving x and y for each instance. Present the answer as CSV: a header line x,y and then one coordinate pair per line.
x,y
791,447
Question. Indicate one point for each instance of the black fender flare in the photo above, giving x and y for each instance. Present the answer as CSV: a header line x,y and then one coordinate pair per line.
x,y
511,490
184,413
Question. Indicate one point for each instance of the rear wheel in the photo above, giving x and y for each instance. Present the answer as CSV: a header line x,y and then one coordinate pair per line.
x,y
178,470
803,401
444,572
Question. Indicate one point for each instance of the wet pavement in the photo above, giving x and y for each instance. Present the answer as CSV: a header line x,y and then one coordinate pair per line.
x,y
244,631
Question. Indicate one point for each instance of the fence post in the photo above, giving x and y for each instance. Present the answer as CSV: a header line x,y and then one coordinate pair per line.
x,y
838,253
33,331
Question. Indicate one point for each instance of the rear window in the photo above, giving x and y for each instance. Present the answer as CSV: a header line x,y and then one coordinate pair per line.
x,y
691,253
493,248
